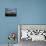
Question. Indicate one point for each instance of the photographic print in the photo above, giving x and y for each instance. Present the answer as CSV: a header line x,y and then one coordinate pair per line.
x,y
10,12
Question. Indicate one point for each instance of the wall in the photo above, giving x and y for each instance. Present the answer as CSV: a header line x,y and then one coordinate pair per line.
x,y
28,12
